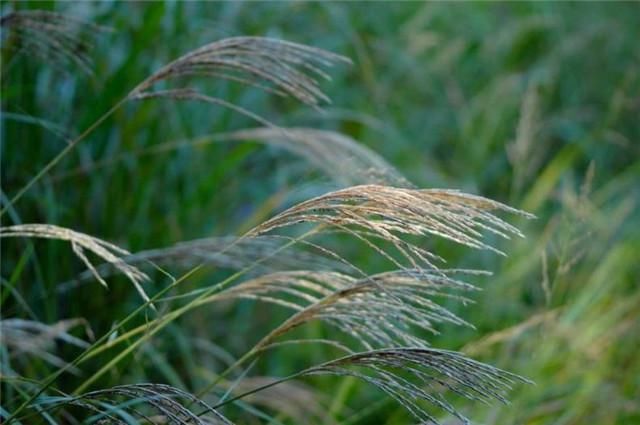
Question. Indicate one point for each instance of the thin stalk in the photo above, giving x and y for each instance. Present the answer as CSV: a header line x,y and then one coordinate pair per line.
x,y
95,346
258,389
101,340
72,144
208,296
158,326
256,349
274,383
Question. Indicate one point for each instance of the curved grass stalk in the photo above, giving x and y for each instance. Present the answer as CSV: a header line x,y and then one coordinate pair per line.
x,y
341,158
173,315
80,242
287,67
163,399
403,373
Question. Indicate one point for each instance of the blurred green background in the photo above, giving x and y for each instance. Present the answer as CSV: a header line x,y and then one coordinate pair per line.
x,y
533,104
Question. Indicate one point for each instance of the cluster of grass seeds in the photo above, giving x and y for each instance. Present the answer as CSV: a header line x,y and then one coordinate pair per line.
x,y
140,403
292,69
411,375
80,242
340,157
381,310
381,315
54,37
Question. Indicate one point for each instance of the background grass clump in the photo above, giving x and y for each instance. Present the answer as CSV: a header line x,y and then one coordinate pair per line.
x,y
533,104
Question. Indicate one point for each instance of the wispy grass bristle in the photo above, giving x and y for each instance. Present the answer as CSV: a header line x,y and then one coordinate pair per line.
x,y
52,36
389,212
389,314
80,242
340,157
291,69
32,338
148,403
378,311
413,376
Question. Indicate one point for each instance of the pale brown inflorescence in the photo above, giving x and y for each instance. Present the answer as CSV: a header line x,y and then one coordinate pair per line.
x,y
287,69
52,36
412,375
146,403
383,212
340,157
377,311
80,242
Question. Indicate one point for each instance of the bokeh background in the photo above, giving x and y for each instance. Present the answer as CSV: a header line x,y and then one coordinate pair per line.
x,y
533,104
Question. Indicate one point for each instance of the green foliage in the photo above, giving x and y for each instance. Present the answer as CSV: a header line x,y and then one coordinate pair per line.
x,y
531,104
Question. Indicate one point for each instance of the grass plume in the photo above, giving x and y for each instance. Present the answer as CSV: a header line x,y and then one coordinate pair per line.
x,y
340,157
51,36
387,213
81,242
146,403
290,69
377,311
416,375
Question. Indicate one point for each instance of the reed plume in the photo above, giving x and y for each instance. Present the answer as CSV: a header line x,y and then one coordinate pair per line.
x,y
81,242
52,36
140,403
375,212
378,311
340,157
279,67
414,376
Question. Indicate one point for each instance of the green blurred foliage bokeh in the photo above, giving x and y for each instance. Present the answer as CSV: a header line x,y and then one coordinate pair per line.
x,y
533,104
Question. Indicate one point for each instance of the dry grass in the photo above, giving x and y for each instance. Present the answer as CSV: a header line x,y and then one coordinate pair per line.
x,y
140,403
416,375
341,158
371,212
54,37
287,69
23,338
81,242
382,310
